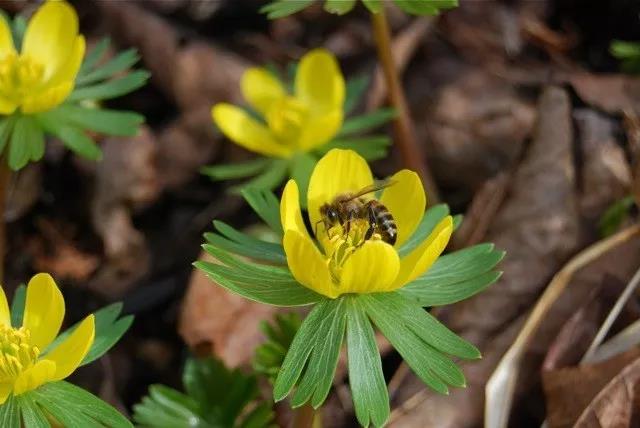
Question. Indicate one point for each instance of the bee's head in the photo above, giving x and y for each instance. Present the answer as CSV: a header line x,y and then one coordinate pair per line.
x,y
330,214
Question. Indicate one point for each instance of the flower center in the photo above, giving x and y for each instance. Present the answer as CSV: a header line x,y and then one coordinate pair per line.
x,y
17,354
19,77
342,244
286,119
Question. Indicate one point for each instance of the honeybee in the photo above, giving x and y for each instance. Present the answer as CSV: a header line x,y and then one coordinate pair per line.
x,y
348,207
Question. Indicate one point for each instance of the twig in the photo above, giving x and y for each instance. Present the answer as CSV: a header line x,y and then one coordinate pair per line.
x,y
406,139
611,317
501,386
5,175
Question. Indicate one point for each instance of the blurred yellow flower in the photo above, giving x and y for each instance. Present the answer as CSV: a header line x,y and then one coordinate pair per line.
x,y
41,76
344,262
23,367
294,123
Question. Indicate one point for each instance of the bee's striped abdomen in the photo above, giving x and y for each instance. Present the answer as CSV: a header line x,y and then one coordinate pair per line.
x,y
385,225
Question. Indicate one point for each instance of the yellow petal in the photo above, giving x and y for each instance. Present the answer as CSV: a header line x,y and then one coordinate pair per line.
x,y
68,71
307,265
5,391
47,99
420,259
372,268
7,107
290,212
247,132
42,372
318,130
44,310
319,82
5,314
51,35
406,201
261,89
6,40
69,354
338,171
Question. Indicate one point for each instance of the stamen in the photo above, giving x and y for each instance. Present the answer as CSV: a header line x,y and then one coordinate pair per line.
x,y
287,117
17,354
342,245
20,76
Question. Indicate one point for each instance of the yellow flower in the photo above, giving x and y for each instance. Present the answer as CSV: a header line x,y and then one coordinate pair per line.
x,y
345,262
299,122
23,367
42,75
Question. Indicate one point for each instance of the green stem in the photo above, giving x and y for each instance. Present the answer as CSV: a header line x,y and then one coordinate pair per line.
x,y
5,175
406,139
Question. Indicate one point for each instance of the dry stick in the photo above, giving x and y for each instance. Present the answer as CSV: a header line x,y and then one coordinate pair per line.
x,y
501,386
5,174
611,317
406,139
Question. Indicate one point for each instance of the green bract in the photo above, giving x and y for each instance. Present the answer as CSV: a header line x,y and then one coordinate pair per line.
x,y
214,397
258,271
628,53
281,8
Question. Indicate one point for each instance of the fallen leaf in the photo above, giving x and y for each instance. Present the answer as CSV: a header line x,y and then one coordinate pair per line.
x,y
614,406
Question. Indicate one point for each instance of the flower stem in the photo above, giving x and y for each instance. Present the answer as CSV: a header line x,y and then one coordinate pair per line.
x,y
5,175
406,139
303,417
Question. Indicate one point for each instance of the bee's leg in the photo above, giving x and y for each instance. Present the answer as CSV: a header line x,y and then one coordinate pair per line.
x,y
347,226
372,222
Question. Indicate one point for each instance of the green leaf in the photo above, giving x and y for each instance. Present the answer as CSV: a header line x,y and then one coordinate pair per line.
x,y
111,89
240,243
425,7
614,216
94,56
425,326
215,397
32,415
72,137
10,413
109,122
366,379
628,53
36,141
354,92
281,8
339,7
317,378
266,205
74,407
20,144
256,282
429,221
269,179
435,369
6,127
374,6
236,170
301,168
456,276
109,330
313,328
371,147
17,306
120,63
18,30
167,408
366,122
268,357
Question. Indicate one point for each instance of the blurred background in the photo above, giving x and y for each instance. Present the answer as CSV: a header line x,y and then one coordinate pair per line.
x,y
529,126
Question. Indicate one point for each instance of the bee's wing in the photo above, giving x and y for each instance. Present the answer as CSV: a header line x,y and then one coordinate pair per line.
x,y
378,185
